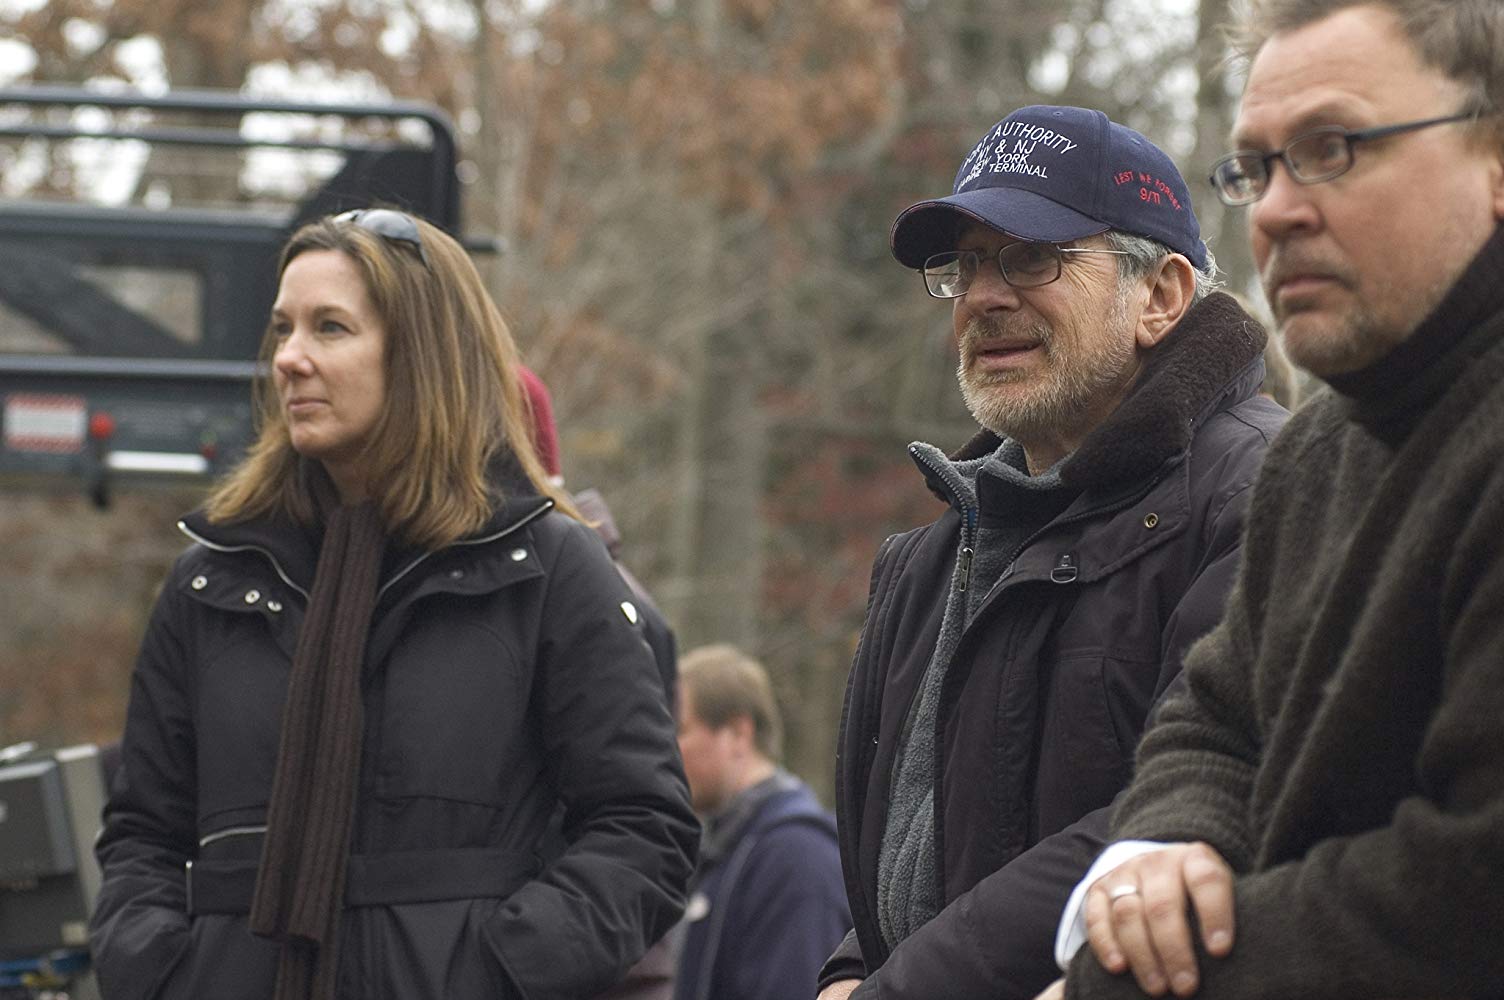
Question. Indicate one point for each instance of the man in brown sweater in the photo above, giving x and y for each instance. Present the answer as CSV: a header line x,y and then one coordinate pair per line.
x,y
1321,813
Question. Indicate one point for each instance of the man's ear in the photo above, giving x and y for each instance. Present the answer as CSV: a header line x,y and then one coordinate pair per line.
x,y
1170,290
744,728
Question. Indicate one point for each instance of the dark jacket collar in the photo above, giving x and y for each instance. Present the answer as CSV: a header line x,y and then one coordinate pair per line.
x,y
1403,382
725,828
1213,359
294,547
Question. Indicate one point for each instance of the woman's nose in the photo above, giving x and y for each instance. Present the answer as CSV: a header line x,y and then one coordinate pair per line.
x,y
290,358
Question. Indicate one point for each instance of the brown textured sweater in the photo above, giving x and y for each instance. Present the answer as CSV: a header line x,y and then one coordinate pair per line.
x,y
1342,739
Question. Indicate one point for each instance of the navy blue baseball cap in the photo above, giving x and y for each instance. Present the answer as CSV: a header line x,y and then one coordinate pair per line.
x,y
1054,175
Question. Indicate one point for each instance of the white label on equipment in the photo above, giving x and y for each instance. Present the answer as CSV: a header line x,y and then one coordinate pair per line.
x,y
37,422
157,461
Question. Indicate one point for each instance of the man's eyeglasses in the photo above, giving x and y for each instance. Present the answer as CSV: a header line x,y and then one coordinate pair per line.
x,y
389,224
1242,178
1023,265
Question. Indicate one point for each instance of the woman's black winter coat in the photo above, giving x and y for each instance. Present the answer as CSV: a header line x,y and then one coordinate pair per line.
x,y
506,684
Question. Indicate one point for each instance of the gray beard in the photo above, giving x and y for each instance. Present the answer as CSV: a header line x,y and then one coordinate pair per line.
x,y
1022,406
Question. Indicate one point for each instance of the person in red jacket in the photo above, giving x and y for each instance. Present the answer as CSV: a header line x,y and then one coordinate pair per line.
x,y
540,409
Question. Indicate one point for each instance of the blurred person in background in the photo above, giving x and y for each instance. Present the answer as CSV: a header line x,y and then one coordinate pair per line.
x,y
652,977
593,509
655,628
1321,812
390,656
1015,648
1281,379
545,430
768,904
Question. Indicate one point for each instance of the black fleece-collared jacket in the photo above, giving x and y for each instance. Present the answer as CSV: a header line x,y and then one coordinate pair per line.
x,y
1055,674
506,682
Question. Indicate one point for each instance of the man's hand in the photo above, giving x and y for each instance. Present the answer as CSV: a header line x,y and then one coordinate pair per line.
x,y
839,990
1136,916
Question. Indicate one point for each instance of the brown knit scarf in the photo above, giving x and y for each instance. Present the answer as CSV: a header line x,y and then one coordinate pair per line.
x,y
301,884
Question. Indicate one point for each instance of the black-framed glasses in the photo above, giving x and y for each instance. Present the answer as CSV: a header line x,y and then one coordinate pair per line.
x,y
1242,178
1023,265
387,223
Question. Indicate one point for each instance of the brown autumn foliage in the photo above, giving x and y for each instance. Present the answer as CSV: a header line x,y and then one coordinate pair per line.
x,y
75,587
696,195
217,44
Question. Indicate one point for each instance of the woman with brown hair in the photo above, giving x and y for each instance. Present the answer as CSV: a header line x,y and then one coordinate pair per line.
x,y
390,658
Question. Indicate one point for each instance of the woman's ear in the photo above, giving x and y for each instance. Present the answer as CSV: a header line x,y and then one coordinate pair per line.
x,y
1170,289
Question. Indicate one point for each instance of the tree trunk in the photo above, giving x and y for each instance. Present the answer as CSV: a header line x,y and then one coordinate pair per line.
x,y
1224,229
717,565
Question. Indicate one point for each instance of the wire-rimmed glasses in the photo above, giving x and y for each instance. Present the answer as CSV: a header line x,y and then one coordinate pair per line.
x,y
1023,265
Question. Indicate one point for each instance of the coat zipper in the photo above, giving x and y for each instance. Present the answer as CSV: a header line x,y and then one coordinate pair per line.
x,y
969,526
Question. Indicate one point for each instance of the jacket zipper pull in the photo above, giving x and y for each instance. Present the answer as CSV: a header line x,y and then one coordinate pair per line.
x,y
966,554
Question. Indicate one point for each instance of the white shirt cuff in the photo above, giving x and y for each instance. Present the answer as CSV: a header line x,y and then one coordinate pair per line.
x,y
1071,934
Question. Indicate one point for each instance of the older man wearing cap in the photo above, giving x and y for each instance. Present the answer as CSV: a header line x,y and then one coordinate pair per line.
x,y
1015,647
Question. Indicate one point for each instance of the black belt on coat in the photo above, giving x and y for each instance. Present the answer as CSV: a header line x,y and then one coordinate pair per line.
x,y
376,879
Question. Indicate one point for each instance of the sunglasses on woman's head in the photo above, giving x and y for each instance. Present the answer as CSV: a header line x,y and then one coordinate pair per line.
x,y
389,224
